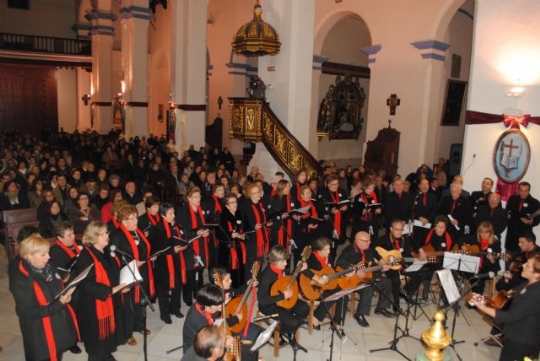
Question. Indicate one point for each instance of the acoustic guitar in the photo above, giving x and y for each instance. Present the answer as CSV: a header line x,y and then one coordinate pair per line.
x,y
473,250
498,302
238,304
312,289
289,282
348,282
394,255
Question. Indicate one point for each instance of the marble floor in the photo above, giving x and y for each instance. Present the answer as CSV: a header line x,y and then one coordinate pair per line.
x,y
470,327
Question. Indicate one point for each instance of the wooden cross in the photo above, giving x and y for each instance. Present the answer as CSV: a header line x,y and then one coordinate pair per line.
x,y
393,102
511,146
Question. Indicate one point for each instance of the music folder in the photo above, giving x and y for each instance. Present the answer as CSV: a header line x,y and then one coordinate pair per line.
x,y
160,252
337,205
207,226
74,283
299,211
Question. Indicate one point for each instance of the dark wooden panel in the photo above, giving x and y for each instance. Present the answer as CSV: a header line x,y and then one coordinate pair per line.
x,y
28,98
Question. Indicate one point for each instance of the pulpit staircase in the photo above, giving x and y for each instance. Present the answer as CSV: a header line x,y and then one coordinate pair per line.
x,y
252,120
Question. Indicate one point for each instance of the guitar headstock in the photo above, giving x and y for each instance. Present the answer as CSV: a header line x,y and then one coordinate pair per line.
x,y
505,256
306,253
431,259
394,261
255,269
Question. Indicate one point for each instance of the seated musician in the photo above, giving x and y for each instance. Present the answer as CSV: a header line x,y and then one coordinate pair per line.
x,y
202,313
290,319
395,240
521,322
486,241
437,240
357,252
318,260
210,344
233,319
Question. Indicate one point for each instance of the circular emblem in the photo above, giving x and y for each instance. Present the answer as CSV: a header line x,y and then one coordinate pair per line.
x,y
443,244
238,221
401,249
525,205
511,156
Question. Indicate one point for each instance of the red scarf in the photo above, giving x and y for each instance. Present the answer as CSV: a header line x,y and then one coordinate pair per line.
x,y
104,309
312,210
115,222
484,243
170,263
206,315
276,271
153,219
217,204
447,236
235,264
337,216
195,225
135,252
46,321
261,246
72,254
322,260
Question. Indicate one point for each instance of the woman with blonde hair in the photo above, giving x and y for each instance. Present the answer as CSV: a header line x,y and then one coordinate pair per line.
x,y
48,324
98,298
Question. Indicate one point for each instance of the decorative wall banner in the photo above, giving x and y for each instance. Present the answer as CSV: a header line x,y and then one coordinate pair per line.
x,y
511,156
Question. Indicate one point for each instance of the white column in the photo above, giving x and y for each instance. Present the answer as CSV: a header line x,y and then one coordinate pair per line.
x,y
135,16
188,88
102,33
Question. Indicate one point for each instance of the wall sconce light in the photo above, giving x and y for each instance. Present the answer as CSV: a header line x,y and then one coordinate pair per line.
x,y
86,99
514,94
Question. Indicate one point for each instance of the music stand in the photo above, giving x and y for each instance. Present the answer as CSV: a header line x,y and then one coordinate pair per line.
x,y
264,337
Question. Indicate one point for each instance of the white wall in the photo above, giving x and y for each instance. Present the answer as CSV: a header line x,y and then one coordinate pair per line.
x,y
66,82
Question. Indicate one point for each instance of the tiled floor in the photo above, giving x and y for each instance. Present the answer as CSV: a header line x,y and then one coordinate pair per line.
x,y
470,327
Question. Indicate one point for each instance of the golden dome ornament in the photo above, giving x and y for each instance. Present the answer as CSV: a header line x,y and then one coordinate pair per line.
x,y
256,38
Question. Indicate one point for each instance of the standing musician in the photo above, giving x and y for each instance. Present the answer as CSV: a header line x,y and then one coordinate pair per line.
x,y
290,319
48,329
170,267
424,211
486,241
366,209
493,213
395,240
300,181
257,243
192,219
149,220
280,206
521,322
357,252
131,240
99,301
251,331
318,260
306,227
232,223
332,195
65,250
210,345
213,208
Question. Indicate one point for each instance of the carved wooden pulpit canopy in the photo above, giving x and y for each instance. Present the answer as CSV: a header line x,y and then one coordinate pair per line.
x,y
382,153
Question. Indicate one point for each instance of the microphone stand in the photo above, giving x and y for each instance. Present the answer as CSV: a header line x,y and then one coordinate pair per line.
x,y
144,301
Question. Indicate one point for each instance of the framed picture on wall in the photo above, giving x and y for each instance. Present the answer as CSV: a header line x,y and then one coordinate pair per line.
x,y
453,103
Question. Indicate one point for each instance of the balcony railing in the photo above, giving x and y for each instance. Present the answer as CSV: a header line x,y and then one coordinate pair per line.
x,y
44,44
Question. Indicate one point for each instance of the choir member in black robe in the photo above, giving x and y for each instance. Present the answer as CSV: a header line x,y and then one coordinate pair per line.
x,y
232,223
280,205
520,207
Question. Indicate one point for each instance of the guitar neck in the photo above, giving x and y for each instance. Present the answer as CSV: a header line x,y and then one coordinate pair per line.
x,y
245,296
354,269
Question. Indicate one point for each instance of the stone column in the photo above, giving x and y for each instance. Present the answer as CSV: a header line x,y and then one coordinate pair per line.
x,y
102,33
135,16
188,88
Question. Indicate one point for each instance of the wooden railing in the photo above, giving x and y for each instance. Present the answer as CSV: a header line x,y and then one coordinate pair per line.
x,y
252,120
44,44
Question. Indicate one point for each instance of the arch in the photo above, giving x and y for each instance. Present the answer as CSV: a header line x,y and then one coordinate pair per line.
x,y
328,22
444,18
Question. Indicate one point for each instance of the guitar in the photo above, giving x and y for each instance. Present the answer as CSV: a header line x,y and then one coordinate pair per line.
x,y
394,255
312,289
289,282
473,250
348,282
238,304
498,302
219,282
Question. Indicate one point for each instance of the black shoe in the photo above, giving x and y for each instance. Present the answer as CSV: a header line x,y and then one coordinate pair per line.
x,y
296,346
282,341
384,312
75,349
179,314
166,319
397,310
361,320
318,327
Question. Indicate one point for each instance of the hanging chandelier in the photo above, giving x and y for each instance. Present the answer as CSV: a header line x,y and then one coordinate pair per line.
x,y
256,38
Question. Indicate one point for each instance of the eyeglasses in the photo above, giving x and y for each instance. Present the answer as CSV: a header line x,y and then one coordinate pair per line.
x,y
398,229
364,240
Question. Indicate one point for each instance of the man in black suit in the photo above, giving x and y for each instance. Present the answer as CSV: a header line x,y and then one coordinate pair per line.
x,y
492,212
480,198
458,209
398,204
424,213
520,207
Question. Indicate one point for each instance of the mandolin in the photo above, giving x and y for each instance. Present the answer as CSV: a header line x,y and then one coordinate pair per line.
x,y
238,304
289,282
498,302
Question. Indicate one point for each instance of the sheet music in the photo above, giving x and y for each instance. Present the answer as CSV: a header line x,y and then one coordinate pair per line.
x,y
128,277
74,282
449,285
416,266
417,223
264,336
461,262
160,252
